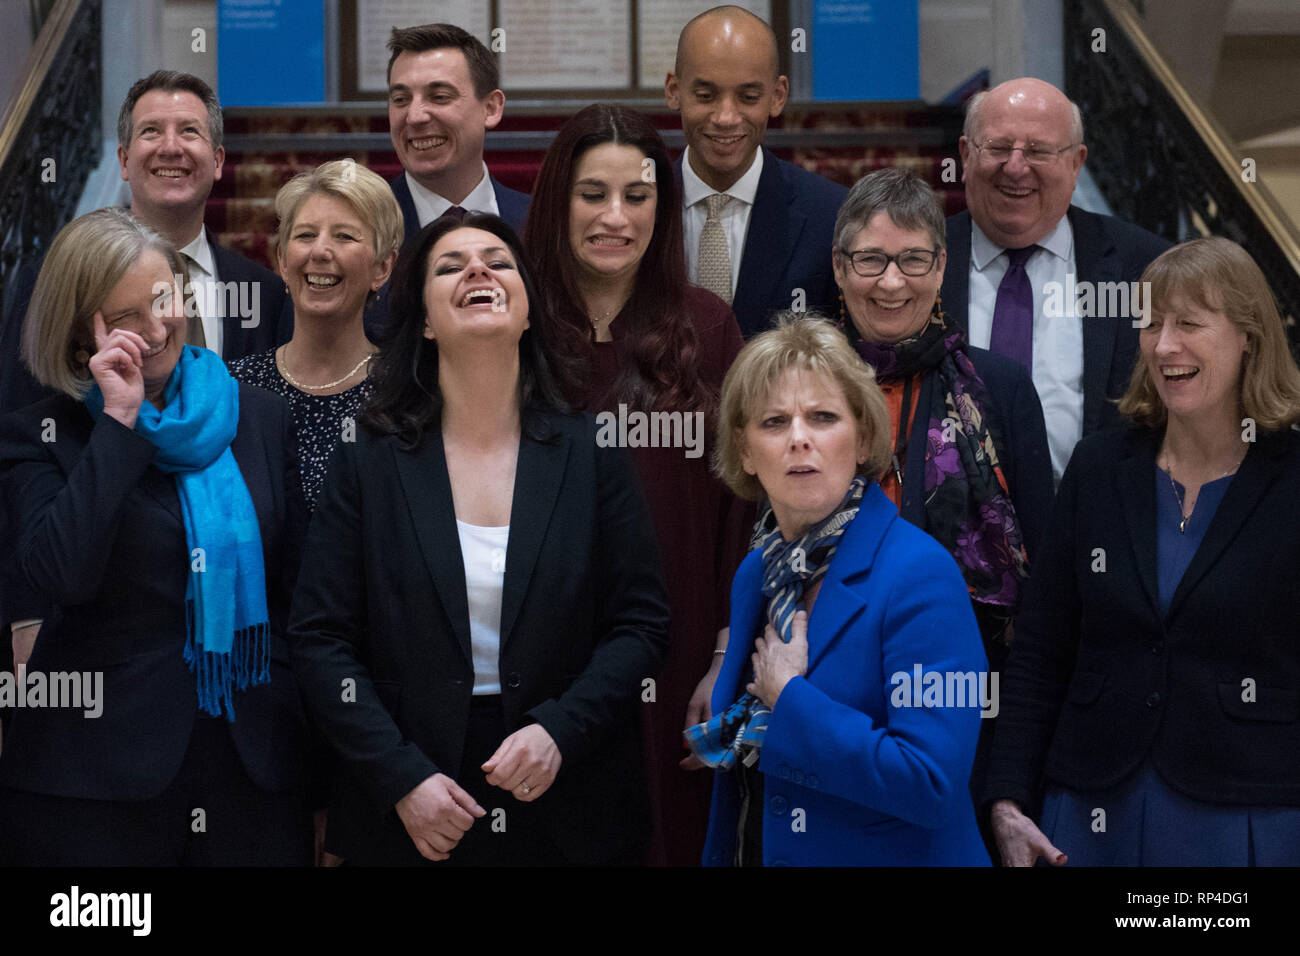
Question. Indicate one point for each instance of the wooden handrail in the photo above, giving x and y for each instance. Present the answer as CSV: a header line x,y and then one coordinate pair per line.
x,y
39,63
1216,139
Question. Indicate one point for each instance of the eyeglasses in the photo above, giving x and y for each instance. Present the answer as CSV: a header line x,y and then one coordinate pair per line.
x,y
1035,154
911,262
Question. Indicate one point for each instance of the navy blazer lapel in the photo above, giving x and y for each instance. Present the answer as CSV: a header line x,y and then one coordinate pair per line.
x,y
1260,468
774,228
427,486
512,205
225,267
539,474
410,221
1096,260
1136,488
955,291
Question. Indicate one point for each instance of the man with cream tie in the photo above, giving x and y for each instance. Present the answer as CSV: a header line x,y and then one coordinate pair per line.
x,y
758,230
1020,253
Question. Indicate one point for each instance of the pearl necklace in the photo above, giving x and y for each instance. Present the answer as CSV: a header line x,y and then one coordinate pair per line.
x,y
284,370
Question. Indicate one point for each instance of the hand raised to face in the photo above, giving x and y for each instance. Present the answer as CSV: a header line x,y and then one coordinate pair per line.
x,y
118,369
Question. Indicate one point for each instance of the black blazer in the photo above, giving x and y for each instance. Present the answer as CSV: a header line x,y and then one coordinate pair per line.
x,y
1106,249
100,536
1098,677
275,315
788,245
1015,422
381,601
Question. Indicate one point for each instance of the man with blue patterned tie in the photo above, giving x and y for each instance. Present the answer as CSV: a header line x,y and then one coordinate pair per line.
x,y
1020,252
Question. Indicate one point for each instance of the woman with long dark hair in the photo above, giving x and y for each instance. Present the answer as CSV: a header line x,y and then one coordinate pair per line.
x,y
482,601
645,349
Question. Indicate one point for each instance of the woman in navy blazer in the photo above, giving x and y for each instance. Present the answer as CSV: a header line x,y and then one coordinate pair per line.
x,y
115,523
841,740
970,461
481,605
1151,706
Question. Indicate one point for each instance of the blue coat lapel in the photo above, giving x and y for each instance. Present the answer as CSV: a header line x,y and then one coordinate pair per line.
x,y
838,603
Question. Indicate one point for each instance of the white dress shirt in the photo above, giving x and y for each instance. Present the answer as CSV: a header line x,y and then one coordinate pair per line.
x,y
483,551
1058,340
735,215
203,273
429,205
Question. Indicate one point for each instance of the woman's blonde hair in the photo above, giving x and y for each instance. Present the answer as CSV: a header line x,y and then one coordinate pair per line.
x,y
369,196
1218,275
808,342
87,259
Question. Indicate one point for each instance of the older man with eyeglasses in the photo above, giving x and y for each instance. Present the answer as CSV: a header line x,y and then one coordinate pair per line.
x,y
1032,277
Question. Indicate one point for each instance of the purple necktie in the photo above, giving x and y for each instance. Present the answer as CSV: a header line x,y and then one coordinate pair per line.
x,y
1013,314
456,212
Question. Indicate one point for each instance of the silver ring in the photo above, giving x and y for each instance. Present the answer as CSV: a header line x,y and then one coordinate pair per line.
x,y
527,789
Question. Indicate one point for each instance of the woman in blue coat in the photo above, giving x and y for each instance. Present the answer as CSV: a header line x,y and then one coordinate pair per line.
x,y
844,733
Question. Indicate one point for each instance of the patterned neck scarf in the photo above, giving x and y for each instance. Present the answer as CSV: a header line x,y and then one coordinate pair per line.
x,y
967,506
790,568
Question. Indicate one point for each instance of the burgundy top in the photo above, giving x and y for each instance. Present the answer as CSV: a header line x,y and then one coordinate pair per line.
x,y
703,532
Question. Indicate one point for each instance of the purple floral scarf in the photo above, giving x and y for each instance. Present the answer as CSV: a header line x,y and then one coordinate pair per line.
x,y
967,506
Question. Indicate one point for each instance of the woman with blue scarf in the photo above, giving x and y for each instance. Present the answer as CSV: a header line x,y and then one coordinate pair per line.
x,y
158,514
847,709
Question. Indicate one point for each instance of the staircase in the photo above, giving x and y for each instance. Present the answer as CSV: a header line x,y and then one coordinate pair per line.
x,y
265,148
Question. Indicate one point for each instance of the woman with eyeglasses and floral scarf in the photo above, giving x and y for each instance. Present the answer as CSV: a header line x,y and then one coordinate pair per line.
x,y
969,460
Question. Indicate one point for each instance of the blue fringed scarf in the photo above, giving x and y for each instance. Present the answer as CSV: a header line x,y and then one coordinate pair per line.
x,y
789,569
227,639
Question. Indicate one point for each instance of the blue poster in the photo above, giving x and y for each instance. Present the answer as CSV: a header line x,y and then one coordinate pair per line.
x,y
270,52
866,50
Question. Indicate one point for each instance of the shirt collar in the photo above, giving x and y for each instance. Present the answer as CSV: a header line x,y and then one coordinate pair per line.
x,y
695,189
983,250
482,198
200,252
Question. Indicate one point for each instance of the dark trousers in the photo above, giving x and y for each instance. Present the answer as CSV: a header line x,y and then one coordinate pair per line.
x,y
239,824
513,833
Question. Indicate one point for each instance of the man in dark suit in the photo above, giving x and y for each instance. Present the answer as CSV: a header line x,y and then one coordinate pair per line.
x,y
758,230
169,146
1033,278
443,96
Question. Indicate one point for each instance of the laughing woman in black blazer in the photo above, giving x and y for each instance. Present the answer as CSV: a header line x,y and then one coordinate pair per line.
x,y
481,601
159,517
1154,684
